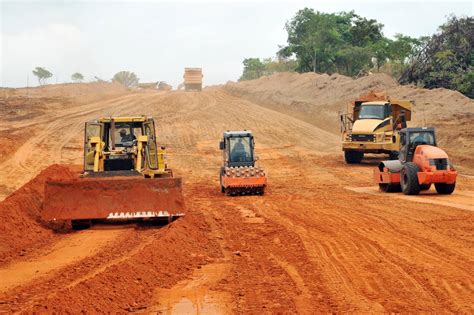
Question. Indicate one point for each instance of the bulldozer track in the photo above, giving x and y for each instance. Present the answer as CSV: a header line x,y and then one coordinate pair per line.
x,y
309,245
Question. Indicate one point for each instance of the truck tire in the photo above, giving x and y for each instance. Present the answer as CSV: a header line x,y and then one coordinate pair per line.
x,y
409,179
353,157
445,189
390,188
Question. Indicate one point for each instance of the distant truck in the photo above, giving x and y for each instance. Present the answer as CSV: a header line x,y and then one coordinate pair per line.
x,y
192,79
372,125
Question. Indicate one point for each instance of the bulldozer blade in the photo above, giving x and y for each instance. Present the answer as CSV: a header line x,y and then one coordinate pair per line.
x,y
113,198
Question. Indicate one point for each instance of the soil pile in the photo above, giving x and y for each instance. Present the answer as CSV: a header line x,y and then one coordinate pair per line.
x,y
20,223
318,98
27,103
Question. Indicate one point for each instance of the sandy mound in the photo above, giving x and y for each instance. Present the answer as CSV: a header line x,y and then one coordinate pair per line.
x,y
318,98
20,215
27,103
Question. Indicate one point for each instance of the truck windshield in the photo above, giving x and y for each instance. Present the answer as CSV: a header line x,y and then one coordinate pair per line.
x,y
240,149
372,112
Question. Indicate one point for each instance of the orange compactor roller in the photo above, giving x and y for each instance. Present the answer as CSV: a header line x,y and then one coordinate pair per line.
x,y
420,164
240,175
125,177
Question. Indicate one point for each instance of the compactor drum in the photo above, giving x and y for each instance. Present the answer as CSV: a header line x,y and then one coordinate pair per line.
x,y
240,175
420,164
125,177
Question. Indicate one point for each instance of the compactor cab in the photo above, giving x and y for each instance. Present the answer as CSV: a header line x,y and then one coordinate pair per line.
x,y
125,177
420,164
239,175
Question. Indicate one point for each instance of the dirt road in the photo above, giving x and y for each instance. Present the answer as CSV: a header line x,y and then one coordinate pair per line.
x,y
320,240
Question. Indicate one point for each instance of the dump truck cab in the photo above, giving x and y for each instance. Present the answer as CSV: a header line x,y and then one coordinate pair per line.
x,y
371,126
420,164
239,174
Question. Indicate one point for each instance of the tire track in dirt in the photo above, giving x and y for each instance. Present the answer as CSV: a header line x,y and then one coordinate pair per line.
x,y
101,248
307,246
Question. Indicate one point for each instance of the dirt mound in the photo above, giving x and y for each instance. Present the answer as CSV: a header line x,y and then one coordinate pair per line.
x,y
27,103
318,98
170,254
20,215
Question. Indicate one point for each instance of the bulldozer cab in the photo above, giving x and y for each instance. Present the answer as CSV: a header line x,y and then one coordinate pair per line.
x,y
120,144
238,147
410,138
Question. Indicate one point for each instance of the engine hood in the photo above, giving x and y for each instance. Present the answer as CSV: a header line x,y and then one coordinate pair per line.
x,y
431,152
365,125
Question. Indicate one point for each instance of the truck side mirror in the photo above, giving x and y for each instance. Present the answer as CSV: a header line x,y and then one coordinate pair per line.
x,y
222,145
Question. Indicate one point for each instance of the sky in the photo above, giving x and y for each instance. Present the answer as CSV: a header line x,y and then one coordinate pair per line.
x,y
157,39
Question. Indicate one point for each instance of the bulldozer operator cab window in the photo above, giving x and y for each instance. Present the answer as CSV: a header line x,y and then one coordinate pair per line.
x,y
240,150
374,111
125,134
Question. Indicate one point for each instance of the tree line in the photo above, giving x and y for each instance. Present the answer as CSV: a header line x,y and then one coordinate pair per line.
x,y
126,78
349,44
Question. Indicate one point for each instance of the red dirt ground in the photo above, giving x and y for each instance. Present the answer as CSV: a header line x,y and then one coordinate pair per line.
x,y
319,240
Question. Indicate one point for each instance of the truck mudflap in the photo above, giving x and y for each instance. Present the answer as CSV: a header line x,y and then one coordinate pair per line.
x,y
448,177
113,198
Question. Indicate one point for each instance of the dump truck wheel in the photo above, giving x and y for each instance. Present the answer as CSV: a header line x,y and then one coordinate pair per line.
x,y
390,188
409,179
353,157
425,187
445,189
80,224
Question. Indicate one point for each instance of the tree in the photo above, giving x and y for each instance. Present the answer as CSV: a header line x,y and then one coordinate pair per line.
x,y
126,78
42,74
77,77
446,59
353,59
314,38
364,32
253,69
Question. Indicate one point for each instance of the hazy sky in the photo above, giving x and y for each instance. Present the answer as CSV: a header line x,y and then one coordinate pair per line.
x,y
157,39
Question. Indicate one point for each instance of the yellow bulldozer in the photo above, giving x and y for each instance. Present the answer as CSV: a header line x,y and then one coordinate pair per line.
x,y
125,177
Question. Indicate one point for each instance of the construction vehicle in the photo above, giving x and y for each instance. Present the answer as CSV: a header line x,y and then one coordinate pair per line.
x,y
420,164
192,79
239,175
371,125
125,177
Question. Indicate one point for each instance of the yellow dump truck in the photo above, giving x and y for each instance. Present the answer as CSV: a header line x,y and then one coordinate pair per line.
x,y
192,79
371,125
